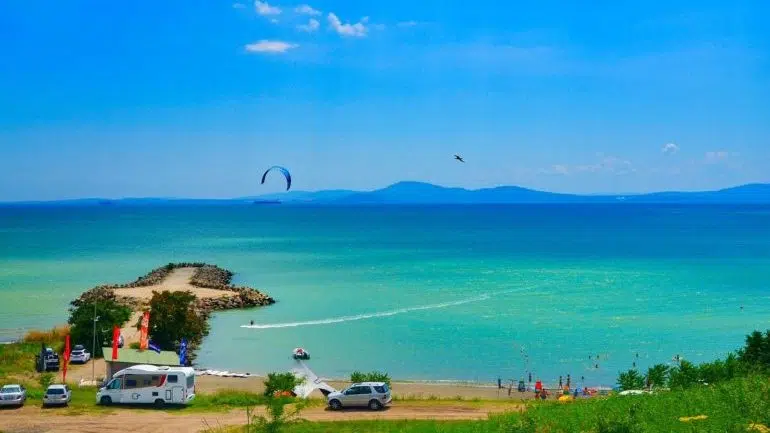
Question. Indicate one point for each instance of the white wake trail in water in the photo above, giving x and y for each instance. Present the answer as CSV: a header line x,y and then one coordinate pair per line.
x,y
329,321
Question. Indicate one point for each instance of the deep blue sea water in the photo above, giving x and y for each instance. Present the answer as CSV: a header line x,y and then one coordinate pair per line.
x,y
440,292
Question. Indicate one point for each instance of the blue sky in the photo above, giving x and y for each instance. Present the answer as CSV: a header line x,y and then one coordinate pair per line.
x,y
195,99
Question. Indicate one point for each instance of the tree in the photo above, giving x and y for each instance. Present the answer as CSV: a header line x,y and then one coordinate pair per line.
x,y
756,353
173,317
685,375
110,314
630,379
656,375
280,383
374,376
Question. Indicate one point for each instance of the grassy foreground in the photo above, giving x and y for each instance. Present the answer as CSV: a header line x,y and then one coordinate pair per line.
x,y
740,405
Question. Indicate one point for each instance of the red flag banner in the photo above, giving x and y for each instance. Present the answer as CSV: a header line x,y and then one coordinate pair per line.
x,y
143,340
115,337
66,356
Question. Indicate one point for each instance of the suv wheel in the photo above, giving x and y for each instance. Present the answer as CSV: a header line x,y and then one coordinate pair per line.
x,y
335,405
375,405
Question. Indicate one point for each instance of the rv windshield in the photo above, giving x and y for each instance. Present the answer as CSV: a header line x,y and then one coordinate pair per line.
x,y
190,381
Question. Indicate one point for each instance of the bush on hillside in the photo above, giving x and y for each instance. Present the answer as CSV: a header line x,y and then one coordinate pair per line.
x,y
756,352
630,379
656,376
278,383
374,376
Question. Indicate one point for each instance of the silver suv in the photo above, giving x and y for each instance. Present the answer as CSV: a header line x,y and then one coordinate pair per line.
x,y
374,395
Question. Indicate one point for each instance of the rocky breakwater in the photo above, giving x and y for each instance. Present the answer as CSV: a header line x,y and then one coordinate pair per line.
x,y
214,277
205,276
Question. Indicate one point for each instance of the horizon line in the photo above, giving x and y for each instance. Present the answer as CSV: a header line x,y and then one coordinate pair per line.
x,y
276,194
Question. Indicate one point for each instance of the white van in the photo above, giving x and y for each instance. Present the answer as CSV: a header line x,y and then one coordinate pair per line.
x,y
149,384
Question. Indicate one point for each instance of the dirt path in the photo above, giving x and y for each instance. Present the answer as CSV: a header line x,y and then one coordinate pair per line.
x,y
36,420
178,280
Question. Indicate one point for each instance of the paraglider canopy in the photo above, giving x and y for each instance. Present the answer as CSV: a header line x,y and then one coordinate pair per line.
x,y
283,170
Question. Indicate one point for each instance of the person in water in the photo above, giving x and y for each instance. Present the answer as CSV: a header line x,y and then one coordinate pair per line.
x,y
251,323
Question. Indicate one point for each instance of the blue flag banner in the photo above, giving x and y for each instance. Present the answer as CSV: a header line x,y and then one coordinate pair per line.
x,y
183,352
154,347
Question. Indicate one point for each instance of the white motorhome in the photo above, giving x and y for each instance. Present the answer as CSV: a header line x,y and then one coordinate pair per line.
x,y
149,384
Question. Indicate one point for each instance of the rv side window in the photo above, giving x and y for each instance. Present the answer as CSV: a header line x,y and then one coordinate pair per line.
x,y
172,379
190,381
131,383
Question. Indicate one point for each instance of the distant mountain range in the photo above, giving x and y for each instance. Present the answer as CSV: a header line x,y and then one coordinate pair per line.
x,y
409,193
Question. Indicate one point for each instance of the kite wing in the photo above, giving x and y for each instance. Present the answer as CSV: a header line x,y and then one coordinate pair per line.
x,y
283,170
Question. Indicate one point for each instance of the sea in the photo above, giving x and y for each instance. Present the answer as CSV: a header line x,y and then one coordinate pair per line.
x,y
424,293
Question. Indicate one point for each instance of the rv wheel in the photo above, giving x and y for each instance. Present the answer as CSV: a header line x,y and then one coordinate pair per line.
x,y
159,403
105,401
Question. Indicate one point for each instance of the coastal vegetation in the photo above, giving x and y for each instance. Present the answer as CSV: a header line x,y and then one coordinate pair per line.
x,y
752,358
109,313
374,376
174,318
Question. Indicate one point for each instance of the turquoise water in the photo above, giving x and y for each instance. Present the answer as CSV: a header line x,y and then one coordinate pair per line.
x,y
422,292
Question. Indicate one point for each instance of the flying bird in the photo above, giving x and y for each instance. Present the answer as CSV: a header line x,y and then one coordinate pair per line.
x,y
459,158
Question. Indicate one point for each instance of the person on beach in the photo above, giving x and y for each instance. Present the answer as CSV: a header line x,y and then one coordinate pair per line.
x,y
561,385
530,377
569,380
499,383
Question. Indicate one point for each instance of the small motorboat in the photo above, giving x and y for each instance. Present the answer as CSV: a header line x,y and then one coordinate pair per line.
x,y
300,354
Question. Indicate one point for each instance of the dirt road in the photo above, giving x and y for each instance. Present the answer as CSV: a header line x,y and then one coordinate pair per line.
x,y
37,420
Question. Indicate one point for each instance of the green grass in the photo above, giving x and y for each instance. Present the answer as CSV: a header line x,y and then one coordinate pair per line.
x,y
17,358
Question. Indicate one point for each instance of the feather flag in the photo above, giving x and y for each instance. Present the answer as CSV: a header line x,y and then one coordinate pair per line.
x,y
66,356
183,352
154,347
115,338
143,336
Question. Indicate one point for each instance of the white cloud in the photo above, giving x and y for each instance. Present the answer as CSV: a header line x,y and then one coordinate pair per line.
x,y
270,47
379,26
306,10
670,149
311,26
238,5
607,164
346,29
274,20
717,156
407,24
265,9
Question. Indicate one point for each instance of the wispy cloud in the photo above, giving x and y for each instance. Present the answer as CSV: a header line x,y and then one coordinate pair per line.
x,y
358,29
239,6
606,164
270,47
306,10
263,8
311,26
407,24
670,149
718,156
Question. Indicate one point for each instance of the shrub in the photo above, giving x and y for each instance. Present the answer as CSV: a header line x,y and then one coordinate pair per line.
x,y
630,379
657,375
45,380
374,376
280,383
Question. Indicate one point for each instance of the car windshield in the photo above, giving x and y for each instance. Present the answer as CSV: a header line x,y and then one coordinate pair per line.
x,y
55,391
10,389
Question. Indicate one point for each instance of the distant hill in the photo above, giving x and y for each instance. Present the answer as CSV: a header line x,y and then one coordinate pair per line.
x,y
425,193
